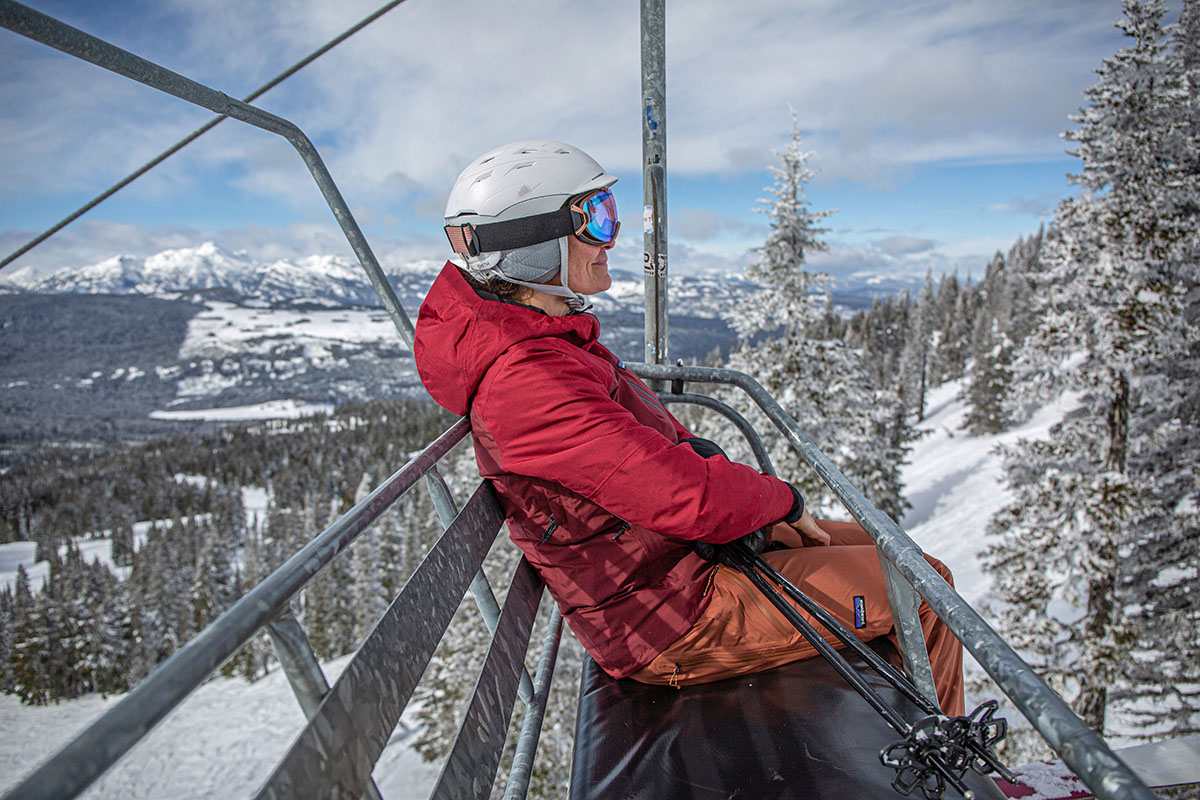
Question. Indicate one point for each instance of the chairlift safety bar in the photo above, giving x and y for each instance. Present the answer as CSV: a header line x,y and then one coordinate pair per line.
x,y
1083,750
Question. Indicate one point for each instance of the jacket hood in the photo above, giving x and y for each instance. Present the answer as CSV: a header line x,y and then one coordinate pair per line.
x,y
460,335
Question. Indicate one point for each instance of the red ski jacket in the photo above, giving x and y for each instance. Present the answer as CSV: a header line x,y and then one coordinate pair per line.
x,y
598,492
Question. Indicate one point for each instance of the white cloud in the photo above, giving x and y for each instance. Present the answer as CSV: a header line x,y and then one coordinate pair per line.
x,y
701,224
430,85
398,110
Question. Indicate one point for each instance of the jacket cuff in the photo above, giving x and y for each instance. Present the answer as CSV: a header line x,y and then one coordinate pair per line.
x,y
797,509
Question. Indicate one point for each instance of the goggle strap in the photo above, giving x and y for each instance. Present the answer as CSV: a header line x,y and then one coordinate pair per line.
x,y
495,236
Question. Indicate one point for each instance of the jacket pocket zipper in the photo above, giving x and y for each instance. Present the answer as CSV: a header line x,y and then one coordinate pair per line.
x,y
620,531
551,528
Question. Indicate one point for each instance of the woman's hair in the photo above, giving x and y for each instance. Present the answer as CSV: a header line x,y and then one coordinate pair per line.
x,y
508,292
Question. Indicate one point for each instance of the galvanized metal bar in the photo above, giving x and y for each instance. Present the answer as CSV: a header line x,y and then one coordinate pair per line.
x,y
110,737
481,590
905,602
49,31
740,422
1083,749
531,728
194,135
336,752
304,672
471,768
654,176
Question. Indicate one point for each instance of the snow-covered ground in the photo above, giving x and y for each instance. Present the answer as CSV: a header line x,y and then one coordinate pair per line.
x,y
954,482
274,409
226,328
224,740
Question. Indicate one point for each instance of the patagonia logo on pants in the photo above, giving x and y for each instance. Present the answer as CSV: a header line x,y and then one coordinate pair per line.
x,y
860,611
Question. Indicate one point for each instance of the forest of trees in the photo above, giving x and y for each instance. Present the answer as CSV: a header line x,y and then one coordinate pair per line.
x,y
1096,558
1105,520
1094,561
89,629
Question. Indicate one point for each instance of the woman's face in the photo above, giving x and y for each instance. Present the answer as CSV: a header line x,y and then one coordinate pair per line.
x,y
587,266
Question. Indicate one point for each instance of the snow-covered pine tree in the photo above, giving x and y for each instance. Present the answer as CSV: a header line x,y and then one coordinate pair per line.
x,y
1079,558
821,383
1159,584
948,356
918,346
212,589
955,346
989,378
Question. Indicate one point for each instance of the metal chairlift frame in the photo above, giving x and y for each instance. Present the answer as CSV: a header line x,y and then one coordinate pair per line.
x,y
335,753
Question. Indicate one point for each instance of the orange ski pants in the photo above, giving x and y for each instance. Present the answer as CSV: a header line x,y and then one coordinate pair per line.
x,y
740,632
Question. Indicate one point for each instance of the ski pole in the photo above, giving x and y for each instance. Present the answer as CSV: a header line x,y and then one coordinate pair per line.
x,y
827,620
744,561
897,679
936,751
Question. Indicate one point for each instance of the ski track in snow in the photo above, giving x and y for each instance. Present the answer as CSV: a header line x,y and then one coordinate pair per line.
x,y
224,740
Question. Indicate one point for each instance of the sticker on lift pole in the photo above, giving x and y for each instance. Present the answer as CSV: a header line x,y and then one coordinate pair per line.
x,y
646,267
662,264
648,219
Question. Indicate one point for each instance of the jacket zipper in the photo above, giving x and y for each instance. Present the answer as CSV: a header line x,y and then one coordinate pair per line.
x,y
620,531
551,528
647,398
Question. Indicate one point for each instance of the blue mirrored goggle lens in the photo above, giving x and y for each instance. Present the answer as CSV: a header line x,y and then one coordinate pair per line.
x,y
601,211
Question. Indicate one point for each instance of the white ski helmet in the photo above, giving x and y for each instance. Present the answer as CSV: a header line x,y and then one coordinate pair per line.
x,y
525,180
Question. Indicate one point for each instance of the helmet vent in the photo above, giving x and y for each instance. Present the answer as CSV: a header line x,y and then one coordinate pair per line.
x,y
516,167
483,177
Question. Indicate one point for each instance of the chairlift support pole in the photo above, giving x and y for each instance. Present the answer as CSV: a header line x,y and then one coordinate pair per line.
x,y
654,177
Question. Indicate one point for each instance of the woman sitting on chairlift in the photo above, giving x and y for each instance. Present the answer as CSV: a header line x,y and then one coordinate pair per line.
x,y
604,491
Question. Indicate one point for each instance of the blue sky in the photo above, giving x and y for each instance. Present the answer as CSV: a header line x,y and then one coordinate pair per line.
x,y
935,125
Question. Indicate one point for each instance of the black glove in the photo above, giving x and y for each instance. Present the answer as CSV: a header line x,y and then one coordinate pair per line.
x,y
704,447
755,540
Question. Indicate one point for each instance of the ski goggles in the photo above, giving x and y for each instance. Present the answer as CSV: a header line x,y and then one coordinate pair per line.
x,y
591,218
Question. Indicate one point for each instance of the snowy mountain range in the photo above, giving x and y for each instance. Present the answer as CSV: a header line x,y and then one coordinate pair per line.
x,y
320,279
337,281
136,346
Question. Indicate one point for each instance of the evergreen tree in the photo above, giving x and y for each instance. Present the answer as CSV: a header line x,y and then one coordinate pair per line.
x,y
786,300
955,346
915,358
1162,694
989,379
822,384
1089,512
122,542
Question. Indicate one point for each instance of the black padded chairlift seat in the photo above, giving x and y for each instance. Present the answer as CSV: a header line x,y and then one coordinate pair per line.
x,y
797,731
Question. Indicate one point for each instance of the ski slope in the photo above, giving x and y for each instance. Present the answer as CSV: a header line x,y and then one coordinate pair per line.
x,y
954,482
224,740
